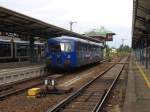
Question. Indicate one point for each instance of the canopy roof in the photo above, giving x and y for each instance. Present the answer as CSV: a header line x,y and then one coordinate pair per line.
x,y
14,22
141,21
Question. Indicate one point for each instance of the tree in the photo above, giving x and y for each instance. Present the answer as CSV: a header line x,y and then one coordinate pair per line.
x,y
123,49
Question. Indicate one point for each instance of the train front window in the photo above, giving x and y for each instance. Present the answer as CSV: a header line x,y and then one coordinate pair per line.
x,y
54,48
63,47
5,50
66,47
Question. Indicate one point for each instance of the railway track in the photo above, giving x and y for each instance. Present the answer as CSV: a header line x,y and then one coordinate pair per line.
x,y
92,96
15,88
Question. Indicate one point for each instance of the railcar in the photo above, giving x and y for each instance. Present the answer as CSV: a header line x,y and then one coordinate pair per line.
x,y
19,50
70,52
6,50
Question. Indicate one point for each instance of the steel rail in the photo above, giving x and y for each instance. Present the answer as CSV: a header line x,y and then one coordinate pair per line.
x,y
100,104
64,102
3,86
16,91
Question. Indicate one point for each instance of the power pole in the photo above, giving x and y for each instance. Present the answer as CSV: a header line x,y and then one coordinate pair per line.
x,y
71,23
123,41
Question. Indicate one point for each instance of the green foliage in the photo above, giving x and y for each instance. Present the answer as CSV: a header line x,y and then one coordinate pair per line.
x,y
108,52
124,50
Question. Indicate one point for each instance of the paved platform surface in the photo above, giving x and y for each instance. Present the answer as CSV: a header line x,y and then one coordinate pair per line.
x,y
137,97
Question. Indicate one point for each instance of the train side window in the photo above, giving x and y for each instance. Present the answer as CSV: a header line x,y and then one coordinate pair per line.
x,y
86,47
83,47
22,50
78,47
5,49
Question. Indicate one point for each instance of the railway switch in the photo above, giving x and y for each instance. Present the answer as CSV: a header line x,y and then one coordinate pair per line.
x,y
51,86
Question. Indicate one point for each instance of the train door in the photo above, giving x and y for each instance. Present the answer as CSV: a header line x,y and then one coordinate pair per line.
x,y
54,53
67,53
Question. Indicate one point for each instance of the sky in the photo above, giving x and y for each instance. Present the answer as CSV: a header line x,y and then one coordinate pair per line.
x,y
114,15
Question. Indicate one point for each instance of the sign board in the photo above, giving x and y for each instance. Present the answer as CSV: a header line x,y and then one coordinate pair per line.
x,y
109,37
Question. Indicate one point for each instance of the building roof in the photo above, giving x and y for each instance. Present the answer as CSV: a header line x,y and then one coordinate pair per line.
x,y
101,32
141,20
14,22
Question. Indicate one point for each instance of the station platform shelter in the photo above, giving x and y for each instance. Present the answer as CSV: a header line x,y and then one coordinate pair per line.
x,y
138,85
141,31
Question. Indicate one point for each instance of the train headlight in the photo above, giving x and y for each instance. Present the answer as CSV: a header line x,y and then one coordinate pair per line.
x,y
68,56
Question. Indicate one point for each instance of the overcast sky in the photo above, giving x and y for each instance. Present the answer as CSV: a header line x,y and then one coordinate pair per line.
x,y
115,15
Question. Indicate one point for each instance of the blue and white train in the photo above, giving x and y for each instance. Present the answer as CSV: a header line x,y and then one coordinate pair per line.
x,y
70,52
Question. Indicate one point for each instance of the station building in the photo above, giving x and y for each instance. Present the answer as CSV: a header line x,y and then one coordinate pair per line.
x,y
101,34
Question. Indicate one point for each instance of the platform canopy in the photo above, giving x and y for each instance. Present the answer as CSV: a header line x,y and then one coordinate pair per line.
x,y
14,22
141,21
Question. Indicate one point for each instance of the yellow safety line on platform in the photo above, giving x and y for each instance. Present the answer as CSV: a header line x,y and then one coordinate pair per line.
x,y
144,76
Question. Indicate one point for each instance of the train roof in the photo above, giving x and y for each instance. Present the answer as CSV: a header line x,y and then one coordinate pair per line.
x,y
67,38
25,42
2,40
8,37
22,42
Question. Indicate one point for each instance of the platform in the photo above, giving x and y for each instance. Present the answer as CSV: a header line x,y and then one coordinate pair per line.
x,y
22,73
137,98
